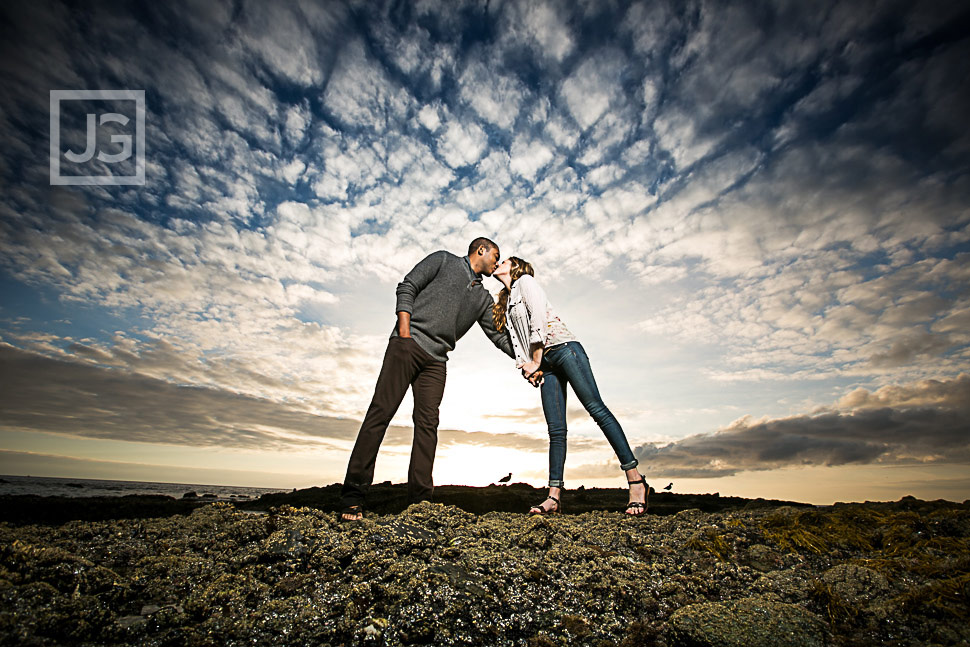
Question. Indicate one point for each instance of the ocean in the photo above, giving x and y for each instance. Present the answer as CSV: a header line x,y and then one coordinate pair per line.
x,y
47,486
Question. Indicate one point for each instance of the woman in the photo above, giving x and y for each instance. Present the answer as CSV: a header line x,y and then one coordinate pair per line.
x,y
548,354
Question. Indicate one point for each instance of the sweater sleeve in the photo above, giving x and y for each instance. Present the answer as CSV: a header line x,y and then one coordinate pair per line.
x,y
535,302
416,280
499,338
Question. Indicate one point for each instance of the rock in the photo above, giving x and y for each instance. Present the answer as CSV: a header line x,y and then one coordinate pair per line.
x,y
374,629
854,582
284,544
131,621
749,622
789,585
190,495
439,574
762,558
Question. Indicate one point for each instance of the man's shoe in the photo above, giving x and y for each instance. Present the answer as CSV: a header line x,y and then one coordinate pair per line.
x,y
354,511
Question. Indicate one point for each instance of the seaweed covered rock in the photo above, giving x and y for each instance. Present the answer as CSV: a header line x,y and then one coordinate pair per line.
x,y
852,581
750,622
440,575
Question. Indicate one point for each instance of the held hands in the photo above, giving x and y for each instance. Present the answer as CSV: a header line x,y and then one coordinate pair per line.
x,y
531,372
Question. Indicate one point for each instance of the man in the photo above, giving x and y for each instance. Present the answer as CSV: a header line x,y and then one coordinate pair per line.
x,y
437,302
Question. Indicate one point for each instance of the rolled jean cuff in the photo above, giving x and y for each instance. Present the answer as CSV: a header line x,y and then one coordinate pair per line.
x,y
558,484
630,465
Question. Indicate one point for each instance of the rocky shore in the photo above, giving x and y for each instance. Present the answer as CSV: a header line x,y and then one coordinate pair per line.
x,y
436,574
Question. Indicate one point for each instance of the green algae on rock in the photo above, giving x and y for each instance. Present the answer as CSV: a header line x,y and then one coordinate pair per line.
x,y
440,575
750,622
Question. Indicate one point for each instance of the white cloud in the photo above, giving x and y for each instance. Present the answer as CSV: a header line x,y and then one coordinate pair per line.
x,y
462,143
562,133
543,27
494,97
293,171
360,93
298,120
429,118
677,134
283,42
529,157
592,88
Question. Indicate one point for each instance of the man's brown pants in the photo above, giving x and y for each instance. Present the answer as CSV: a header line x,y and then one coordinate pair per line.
x,y
405,364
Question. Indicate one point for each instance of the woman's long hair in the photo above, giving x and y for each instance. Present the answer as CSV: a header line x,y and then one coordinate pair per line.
x,y
519,267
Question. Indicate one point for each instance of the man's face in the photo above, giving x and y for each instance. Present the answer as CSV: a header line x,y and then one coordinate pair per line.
x,y
490,261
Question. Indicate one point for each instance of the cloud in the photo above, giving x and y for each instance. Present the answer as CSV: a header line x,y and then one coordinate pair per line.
x,y
593,88
922,423
429,118
283,41
541,26
462,144
360,93
772,195
494,97
528,158
72,398
102,398
948,394
573,414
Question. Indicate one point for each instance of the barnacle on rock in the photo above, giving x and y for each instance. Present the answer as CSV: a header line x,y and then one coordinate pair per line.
x,y
436,574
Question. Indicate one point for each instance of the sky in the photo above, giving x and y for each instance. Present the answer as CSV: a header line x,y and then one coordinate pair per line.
x,y
755,216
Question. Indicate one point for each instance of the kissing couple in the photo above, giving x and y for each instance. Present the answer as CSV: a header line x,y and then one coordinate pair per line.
x,y
437,303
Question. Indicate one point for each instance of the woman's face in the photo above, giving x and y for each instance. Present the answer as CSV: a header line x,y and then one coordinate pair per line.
x,y
503,268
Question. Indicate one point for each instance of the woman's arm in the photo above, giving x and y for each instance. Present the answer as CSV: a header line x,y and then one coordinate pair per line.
x,y
534,298
531,367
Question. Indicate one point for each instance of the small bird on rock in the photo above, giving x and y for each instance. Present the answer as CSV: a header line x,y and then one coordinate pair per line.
x,y
669,485
506,479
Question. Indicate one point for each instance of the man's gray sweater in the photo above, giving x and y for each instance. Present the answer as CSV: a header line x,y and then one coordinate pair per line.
x,y
445,297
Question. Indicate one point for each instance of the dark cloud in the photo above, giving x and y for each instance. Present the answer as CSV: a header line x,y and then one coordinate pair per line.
x,y
923,423
45,394
68,397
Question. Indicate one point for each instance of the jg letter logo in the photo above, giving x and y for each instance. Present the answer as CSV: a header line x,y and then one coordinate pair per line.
x,y
95,161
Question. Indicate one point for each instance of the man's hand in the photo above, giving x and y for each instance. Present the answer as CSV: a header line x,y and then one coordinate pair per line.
x,y
531,372
404,324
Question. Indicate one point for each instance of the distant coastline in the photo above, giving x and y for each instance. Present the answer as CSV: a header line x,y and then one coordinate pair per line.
x,y
80,487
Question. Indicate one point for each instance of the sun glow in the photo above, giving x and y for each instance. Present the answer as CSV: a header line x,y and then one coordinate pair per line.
x,y
479,466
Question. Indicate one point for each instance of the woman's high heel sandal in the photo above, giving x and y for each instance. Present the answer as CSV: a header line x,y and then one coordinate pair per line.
x,y
538,509
635,508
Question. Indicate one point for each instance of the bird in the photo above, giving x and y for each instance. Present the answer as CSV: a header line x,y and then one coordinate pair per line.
x,y
669,485
506,479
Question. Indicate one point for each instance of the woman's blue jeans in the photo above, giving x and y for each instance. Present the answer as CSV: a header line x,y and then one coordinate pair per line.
x,y
568,364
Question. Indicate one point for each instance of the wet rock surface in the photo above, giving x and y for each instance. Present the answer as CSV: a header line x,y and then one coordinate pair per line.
x,y
435,574
751,622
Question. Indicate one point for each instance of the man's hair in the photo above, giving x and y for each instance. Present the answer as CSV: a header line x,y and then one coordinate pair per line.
x,y
479,242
